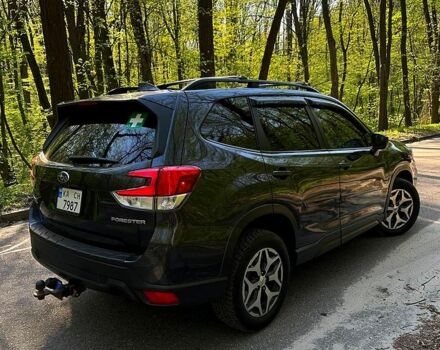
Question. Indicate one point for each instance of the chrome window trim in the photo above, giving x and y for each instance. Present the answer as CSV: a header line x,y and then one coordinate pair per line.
x,y
318,152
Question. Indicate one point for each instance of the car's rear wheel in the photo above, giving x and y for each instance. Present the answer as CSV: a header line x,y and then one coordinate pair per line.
x,y
258,284
402,208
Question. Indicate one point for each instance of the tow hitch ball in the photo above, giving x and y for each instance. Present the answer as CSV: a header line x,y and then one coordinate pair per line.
x,y
53,286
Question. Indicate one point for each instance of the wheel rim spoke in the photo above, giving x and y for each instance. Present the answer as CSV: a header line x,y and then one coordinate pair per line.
x,y
262,282
277,275
399,210
251,288
271,298
257,305
256,263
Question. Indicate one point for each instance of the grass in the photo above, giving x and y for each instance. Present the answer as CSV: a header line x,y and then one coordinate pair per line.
x,y
17,196
412,132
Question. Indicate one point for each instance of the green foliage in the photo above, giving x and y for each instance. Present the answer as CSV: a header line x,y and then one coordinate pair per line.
x,y
413,132
240,32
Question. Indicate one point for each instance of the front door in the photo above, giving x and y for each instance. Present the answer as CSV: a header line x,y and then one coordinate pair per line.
x,y
304,178
362,174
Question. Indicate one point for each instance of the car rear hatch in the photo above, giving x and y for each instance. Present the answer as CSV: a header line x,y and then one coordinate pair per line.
x,y
87,157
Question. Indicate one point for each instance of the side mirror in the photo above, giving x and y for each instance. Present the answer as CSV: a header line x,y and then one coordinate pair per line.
x,y
379,141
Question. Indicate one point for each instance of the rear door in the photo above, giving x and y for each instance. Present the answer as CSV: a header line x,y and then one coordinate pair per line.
x,y
362,174
88,156
304,178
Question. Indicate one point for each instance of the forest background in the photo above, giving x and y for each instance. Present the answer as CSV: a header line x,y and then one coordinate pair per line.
x,y
380,57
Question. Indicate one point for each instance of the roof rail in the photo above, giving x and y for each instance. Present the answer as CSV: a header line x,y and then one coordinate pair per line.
x,y
184,83
203,83
122,90
143,86
209,83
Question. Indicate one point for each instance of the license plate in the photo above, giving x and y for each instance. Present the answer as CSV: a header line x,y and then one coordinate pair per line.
x,y
69,200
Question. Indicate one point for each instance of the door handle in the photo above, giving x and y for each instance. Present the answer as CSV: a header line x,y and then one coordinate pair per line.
x,y
281,173
344,165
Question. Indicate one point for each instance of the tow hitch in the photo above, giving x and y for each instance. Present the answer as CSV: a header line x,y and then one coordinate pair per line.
x,y
53,286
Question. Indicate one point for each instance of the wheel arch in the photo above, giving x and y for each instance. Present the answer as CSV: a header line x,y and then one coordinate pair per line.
x,y
404,174
273,217
402,171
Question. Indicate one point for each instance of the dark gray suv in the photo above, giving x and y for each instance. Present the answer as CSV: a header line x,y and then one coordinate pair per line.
x,y
189,193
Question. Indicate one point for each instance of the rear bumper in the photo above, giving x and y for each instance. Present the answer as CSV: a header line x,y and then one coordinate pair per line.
x,y
113,271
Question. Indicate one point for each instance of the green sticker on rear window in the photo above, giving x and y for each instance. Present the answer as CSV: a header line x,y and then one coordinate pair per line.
x,y
137,119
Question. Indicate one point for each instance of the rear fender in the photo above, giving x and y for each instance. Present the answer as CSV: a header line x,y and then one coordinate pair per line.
x,y
245,221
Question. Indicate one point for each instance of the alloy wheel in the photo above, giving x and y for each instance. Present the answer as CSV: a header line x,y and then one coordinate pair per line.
x,y
262,282
400,209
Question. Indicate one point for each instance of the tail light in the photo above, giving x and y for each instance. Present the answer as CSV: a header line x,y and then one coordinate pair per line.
x,y
164,189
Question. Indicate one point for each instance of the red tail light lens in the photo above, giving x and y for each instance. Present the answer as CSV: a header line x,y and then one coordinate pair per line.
x,y
176,180
161,298
165,188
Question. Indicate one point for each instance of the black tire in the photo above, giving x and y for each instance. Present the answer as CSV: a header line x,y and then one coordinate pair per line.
x,y
231,308
408,187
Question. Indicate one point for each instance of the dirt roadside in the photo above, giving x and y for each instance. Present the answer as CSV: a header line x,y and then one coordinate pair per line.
x,y
426,336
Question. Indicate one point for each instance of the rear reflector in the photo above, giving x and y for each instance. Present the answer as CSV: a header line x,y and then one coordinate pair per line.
x,y
161,298
165,188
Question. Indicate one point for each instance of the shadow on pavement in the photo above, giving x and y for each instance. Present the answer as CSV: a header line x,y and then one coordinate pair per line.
x,y
104,321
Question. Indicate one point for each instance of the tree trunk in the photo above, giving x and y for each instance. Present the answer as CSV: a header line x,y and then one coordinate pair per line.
x,y
435,96
289,40
174,29
384,56
144,51
206,38
127,50
27,48
57,52
77,30
177,47
24,76
5,169
272,37
404,60
432,32
331,48
301,20
372,28
429,24
102,44
17,81
344,46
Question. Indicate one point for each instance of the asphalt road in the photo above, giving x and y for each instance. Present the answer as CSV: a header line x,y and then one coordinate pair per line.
x,y
359,296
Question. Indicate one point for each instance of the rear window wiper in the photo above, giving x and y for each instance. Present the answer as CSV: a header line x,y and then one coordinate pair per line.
x,y
92,160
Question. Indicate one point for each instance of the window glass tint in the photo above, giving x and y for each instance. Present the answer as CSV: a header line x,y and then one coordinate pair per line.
x,y
339,131
288,128
124,139
230,122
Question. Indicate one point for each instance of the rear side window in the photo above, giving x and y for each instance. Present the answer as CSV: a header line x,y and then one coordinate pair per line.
x,y
121,137
230,122
340,131
288,128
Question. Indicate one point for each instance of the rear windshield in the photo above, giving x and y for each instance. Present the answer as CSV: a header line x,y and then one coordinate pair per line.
x,y
105,138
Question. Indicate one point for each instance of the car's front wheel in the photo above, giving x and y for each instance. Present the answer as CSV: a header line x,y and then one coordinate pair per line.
x,y
258,283
402,208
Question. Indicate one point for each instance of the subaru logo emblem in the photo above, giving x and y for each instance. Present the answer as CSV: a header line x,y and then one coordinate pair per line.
x,y
63,177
